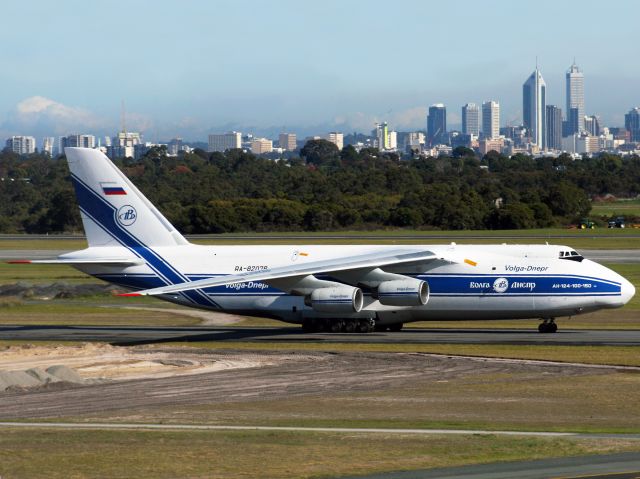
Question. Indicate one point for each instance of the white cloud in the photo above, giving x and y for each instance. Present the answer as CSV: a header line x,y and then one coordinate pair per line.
x,y
40,116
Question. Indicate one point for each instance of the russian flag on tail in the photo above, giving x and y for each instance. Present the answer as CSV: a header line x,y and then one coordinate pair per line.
x,y
110,189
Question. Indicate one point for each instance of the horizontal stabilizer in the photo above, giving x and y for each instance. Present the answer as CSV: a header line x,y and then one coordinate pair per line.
x,y
334,265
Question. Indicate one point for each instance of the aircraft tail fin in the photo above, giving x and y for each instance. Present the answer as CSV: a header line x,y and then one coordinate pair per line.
x,y
113,210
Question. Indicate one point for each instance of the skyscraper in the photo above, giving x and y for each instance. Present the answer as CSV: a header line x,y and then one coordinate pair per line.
x,y
554,128
471,119
592,125
632,123
491,119
436,124
575,94
533,107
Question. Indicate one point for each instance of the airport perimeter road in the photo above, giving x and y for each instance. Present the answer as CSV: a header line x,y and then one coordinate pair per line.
x,y
611,466
148,335
600,255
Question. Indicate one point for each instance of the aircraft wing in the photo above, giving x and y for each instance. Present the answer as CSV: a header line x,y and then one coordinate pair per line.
x,y
365,261
71,261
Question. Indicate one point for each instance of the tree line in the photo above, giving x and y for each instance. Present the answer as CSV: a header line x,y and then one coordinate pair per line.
x,y
327,189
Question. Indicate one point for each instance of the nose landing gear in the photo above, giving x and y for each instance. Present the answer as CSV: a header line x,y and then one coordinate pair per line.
x,y
548,325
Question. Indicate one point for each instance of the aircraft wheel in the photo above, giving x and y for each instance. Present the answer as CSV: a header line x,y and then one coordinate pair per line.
x,y
336,326
364,326
553,327
396,327
380,329
349,326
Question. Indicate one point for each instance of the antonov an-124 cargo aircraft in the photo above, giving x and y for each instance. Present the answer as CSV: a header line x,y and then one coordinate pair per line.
x,y
350,288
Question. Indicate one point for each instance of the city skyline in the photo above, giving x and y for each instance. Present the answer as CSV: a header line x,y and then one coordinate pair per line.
x,y
296,67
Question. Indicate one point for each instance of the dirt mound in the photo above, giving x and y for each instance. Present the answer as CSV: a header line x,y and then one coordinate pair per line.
x,y
36,377
28,290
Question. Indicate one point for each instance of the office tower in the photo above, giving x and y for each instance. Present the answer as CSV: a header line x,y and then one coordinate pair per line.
x,y
554,127
225,141
491,119
437,124
533,107
574,123
632,123
336,138
382,135
47,145
575,94
592,125
261,145
287,141
22,145
471,119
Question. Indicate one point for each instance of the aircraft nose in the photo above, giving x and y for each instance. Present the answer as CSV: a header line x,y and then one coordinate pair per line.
x,y
628,290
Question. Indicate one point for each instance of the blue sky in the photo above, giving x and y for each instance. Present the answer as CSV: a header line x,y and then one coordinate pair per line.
x,y
193,67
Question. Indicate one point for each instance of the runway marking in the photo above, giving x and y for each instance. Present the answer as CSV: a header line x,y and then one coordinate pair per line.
x,y
209,427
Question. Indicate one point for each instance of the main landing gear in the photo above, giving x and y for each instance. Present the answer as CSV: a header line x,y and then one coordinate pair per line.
x,y
548,325
313,325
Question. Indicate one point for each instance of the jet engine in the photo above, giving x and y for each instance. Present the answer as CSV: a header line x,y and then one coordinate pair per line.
x,y
403,292
336,300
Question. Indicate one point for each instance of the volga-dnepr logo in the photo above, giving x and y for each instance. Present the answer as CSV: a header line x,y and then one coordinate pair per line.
x,y
500,285
127,215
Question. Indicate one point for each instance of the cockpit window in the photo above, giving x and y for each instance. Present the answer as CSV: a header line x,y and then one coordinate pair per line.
x,y
571,255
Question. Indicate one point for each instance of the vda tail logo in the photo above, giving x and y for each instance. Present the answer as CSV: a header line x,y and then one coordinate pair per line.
x,y
127,215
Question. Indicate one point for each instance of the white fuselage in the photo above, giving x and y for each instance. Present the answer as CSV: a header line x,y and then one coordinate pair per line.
x,y
473,282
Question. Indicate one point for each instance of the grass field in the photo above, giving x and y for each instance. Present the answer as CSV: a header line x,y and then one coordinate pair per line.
x,y
602,238
629,208
122,454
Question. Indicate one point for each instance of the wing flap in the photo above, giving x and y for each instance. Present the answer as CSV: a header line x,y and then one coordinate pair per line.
x,y
370,260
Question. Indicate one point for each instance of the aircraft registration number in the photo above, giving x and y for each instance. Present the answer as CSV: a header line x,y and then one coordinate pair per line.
x,y
250,268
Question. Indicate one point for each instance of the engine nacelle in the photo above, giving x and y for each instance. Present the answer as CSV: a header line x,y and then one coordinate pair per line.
x,y
403,292
336,300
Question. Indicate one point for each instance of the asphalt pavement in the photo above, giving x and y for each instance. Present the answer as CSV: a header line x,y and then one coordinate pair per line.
x,y
124,335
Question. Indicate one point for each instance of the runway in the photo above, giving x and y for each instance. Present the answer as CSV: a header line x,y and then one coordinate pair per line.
x,y
599,255
119,335
609,466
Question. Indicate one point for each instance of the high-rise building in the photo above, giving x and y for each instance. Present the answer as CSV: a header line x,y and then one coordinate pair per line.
x,y
491,119
261,145
632,123
437,124
534,102
336,138
47,145
225,141
80,141
382,135
592,125
575,94
22,145
573,123
471,119
392,139
554,127
288,141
